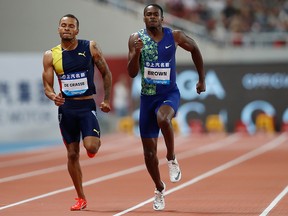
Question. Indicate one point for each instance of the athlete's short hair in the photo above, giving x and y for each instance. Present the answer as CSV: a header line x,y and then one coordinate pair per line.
x,y
71,16
154,5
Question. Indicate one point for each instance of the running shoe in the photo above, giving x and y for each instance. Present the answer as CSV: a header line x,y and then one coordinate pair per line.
x,y
174,170
90,155
159,202
79,205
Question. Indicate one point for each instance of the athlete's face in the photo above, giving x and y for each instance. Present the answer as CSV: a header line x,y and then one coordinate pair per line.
x,y
152,17
68,28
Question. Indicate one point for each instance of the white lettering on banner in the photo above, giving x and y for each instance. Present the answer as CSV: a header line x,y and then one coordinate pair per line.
x,y
265,81
257,105
246,114
183,112
188,79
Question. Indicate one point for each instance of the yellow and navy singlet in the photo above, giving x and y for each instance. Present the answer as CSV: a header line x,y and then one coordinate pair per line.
x,y
157,63
75,70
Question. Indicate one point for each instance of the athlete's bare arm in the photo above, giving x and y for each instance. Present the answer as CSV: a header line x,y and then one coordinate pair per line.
x,y
48,79
102,66
134,45
190,45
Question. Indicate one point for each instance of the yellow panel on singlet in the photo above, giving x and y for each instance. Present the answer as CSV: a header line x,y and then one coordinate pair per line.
x,y
57,59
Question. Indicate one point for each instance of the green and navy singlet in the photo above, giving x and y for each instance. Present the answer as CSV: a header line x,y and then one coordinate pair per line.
x,y
158,67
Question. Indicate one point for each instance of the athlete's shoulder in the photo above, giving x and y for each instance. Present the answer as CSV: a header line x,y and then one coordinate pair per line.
x,y
47,57
167,29
58,47
49,53
178,34
134,36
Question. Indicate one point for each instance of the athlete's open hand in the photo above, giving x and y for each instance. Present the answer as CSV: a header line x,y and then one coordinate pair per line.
x,y
105,107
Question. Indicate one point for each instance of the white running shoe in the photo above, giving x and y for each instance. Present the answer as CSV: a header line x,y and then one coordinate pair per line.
x,y
174,170
159,202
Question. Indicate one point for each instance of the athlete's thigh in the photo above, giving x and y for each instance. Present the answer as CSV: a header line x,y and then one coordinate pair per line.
x,y
169,104
89,122
148,120
69,125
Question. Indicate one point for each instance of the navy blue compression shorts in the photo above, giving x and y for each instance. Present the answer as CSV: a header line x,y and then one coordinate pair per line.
x,y
76,118
149,106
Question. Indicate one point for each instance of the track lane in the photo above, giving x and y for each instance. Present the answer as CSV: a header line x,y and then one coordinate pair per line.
x,y
111,184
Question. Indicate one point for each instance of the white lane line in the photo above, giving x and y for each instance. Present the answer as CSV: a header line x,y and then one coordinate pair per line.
x,y
268,146
226,141
59,152
117,155
211,147
109,157
87,183
274,202
33,159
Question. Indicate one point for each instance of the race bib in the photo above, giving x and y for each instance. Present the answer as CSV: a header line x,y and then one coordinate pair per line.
x,y
157,73
74,84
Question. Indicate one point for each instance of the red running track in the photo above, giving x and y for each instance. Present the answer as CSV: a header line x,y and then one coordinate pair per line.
x,y
222,174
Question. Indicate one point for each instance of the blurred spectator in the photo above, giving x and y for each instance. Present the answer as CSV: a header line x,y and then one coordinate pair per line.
x,y
175,7
121,97
228,13
283,16
235,17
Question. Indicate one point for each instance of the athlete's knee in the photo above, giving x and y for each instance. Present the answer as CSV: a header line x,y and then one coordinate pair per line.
x,y
92,144
149,154
98,145
164,121
73,155
93,147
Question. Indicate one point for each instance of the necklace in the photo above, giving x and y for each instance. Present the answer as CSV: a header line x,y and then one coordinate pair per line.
x,y
67,49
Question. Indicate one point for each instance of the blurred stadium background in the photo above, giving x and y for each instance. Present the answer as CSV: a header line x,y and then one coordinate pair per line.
x,y
244,45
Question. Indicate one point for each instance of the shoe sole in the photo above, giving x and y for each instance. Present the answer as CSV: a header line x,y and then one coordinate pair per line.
x,y
78,209
159,209
83,207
